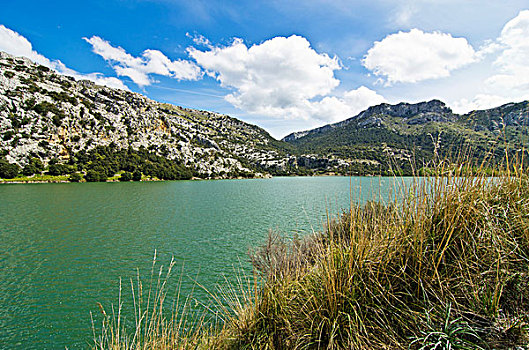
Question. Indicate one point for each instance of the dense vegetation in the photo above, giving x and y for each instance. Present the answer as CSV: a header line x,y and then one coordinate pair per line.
x,y
390,138
444,265
103,162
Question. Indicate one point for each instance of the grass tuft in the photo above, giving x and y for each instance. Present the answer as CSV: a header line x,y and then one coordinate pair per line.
x,y
445,265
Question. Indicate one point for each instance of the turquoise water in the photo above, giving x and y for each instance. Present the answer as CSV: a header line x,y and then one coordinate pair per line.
x,y
63,247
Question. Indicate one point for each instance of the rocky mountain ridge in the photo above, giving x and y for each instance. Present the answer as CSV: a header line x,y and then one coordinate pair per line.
x,y
511,114
418,133
50,116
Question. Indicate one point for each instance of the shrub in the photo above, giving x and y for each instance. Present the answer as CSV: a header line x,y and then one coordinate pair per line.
x,y
136,175
44,107
34,166
57,121
43,68
60,169
441,265
8,170
95,176
92,176
126,176
29,170
75,177
8,135
9,74
29,104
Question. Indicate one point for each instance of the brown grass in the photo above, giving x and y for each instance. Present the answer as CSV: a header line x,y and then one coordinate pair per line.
x,y
443,266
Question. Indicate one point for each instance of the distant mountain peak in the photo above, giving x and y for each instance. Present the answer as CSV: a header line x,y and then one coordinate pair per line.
x,y
432,109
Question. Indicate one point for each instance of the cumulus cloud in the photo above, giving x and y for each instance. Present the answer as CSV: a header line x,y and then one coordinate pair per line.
x,y
509,78
512,62
139,68
333,108
97,78
200,40
282,77
480,101
409,57
17,45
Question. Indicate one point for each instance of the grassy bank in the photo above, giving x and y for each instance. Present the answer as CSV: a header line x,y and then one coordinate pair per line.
x,y
444,265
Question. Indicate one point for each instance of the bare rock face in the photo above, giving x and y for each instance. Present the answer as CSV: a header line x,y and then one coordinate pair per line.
x,y
46,115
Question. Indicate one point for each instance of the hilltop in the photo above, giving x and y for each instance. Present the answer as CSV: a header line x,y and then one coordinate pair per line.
x,y
417,133
48,119
53,118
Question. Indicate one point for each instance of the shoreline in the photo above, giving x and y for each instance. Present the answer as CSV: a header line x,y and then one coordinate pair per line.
x,y
24,182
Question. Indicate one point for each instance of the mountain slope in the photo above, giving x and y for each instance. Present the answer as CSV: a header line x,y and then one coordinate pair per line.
x,y
397,133
47,119
53,117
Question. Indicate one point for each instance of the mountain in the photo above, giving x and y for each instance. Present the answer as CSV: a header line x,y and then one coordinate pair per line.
x,y
406,134
53,122
54,118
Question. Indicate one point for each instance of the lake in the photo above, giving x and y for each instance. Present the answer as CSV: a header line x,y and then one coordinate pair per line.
x,y
64,247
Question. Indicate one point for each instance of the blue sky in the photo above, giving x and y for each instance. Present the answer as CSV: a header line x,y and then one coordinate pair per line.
x,y
283,65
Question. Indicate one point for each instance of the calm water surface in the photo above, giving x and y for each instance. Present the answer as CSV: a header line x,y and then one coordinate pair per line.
x,y
63,247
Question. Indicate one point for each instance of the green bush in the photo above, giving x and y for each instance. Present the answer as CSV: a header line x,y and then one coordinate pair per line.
x,y
92,176
75,177
136,175
9,74
126,176
8,170
8,135
60,169
44,107
95,176
29,170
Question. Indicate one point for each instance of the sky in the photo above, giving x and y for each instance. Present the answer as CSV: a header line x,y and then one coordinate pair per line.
x,y
283,65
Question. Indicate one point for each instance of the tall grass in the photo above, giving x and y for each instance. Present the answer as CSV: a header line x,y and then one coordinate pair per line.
x,y
383,276
445,265
153,327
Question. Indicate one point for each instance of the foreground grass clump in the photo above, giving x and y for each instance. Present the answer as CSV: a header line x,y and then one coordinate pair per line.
x,y
153,327
443,265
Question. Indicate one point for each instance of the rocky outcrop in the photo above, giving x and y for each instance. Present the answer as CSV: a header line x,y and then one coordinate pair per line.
x,y
411,114
46,115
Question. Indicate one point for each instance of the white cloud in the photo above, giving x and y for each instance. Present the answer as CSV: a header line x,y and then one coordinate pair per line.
x,y
508,80
17,45
513,61
200,40
404,13
278,78
413,56
139,68
480,101
361,98
97,78
333,108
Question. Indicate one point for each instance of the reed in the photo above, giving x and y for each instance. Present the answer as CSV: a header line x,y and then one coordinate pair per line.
x,y
159,323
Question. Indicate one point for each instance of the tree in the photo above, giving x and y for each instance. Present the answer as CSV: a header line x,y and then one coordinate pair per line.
x,y
136,175
34,166
8,170
126,176
29,169
75,177
60,169
92,176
